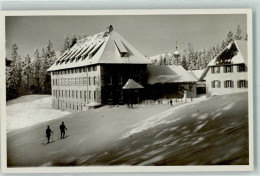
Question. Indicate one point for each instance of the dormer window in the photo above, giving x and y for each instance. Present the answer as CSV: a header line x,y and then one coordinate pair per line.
x,y
121,48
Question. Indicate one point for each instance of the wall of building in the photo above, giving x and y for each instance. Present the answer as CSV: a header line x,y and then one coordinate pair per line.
x,y
74,91
115,76
235,76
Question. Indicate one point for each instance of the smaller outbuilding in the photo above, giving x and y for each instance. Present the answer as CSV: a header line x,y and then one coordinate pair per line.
x,y
201,83
170,81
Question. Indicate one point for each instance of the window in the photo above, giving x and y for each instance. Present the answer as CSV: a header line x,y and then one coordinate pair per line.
x,y
80,81
72,93
76,94
85,80
77,81
66,95
110,81
85,96
66,81
89,68
53,93
80,94
241,68
69,71
73,81
217,69
69,93
56,93
56,82
69,81
79,70
76,70
53,82
62,93
95,95
72,70
228,69
89,95
89,81
216,84
229,84
94,80
59,93
242,84
94,68
84,69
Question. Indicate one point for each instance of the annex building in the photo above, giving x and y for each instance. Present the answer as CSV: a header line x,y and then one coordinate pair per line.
x,y
94,71
227,72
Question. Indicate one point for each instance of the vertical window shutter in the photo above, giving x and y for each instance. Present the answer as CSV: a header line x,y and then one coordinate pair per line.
x,y
212,69
213,84
232,84
231,68
246,83
238,68
225,69
219,84
225,84
238,84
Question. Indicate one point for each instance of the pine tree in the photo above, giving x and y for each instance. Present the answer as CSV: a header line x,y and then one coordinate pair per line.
x,y
48,58
238,33
66,44
36,72
229,37
245,37
27,74
12,77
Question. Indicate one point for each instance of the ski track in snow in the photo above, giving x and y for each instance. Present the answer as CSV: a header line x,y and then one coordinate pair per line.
x,y
156,120
21,115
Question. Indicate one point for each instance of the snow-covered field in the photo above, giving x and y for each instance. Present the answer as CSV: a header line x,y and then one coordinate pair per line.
x,y
31,110
208,132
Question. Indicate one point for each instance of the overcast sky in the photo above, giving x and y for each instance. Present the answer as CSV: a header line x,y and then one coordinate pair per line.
x,y
151,35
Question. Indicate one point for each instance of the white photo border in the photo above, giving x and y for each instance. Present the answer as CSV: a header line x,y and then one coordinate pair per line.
x,y
124,169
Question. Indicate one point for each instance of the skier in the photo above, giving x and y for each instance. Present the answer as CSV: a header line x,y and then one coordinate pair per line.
x,y
171,102
48,133
62,130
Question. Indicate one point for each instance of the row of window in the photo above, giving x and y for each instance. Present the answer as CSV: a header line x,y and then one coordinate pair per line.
x,y
76,94
228,68
229,84
75,81
75,70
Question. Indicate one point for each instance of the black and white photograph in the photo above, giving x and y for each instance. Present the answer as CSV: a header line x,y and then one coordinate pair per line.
x,y
129,89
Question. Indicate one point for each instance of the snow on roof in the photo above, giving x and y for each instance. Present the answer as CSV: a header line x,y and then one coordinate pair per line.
x,y
196,73
168,74
239,58
131,84
100,48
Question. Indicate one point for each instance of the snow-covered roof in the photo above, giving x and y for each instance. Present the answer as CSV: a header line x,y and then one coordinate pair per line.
x,y
102,48
168,74
240,56
196,73
131,84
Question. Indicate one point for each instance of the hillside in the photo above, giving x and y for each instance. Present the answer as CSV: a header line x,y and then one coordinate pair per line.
x,y
214,131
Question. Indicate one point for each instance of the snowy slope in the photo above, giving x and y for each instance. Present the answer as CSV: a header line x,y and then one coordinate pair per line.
x,y
213,131
31,110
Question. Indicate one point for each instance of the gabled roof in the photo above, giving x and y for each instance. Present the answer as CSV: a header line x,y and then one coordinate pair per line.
x,y
237,51
168,74
102,48
196,73
131,84
240,56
